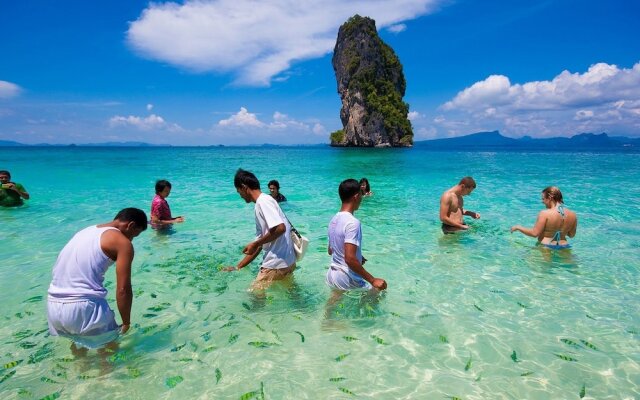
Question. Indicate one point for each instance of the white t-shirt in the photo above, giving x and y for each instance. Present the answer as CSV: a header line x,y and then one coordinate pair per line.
x,y
344,228
278,253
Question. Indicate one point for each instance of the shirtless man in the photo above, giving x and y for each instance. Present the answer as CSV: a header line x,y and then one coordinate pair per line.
x,y
452,206
554,223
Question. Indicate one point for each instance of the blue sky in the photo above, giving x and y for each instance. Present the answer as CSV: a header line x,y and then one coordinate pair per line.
x,y
250,72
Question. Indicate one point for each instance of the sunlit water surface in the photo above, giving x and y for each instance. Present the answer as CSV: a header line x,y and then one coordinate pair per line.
x,y
479,315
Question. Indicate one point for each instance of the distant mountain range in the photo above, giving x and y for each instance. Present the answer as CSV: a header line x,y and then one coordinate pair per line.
x,y
476,141
9,143
495,141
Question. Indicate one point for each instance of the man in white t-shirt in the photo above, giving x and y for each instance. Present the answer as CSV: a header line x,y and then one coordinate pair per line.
x,y
345,245
272,234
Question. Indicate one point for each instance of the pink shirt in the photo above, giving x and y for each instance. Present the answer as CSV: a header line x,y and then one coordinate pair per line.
x,y
160,208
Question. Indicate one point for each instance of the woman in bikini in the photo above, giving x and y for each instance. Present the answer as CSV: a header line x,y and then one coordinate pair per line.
x,y
554,224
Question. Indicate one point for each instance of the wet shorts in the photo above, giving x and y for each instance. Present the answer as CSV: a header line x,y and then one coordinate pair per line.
x,y
268,275
88,322
339,279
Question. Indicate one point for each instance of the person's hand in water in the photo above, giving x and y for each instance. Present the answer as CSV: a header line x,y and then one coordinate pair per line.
x,y
379,284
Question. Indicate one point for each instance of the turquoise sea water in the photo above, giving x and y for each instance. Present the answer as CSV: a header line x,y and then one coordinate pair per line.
x,y
480,315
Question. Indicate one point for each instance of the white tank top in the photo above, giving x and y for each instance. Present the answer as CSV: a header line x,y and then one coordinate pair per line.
x,y
80,267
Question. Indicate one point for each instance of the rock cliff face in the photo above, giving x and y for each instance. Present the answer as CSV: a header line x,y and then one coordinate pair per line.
x,y
371,86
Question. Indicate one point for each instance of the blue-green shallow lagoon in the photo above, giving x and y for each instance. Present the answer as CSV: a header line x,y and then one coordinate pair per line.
x,y
456,310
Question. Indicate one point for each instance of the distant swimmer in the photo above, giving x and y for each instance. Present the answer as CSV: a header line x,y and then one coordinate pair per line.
x,y
452,206
365,187
554,223
160,211
77,306
346,271
11,193
274,189
273,234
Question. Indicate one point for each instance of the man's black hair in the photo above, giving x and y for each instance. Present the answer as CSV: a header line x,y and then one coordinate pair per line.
x,y
275,183
348,188
134,215
5,172
246,178
162,184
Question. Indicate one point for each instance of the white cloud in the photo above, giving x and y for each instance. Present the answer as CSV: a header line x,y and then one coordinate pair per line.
x,y
414,115
256,41
318,129
8,90
152,122
149,107
242,118
604,98
397,28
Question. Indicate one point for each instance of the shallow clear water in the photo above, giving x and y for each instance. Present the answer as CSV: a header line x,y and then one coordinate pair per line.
x,y
456,310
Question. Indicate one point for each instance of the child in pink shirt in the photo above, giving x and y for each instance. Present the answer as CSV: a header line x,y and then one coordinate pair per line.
x,y
160,211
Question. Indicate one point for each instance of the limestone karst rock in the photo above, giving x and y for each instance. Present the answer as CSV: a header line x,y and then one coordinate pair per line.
x,y
371,85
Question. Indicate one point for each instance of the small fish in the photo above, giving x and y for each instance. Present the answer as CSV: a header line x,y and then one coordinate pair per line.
x,y
134,372
206,336
350,338
633,331
33,299
425,315
565,357
478,378
52,396
583,391
454,398
233,338
261,329
444,339
178,347
250,395
341,357
526,373
514,357
262,345
173,381
589,345
27,345
12,364
378,339
24,392
43,352
209,349
22,334
468,366
187,359
149,315
590,317
347,391
118,357
570,342
41,331
247,306
86,377
193,345
275,334
301,335
218,375
478,308
395,314
148,329
153,295
47,380
159,307
523,305
497,291
66,359
228,324
338,379
7,376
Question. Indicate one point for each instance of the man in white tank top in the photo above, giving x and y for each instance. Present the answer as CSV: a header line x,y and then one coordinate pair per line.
x,y
272,234
77,307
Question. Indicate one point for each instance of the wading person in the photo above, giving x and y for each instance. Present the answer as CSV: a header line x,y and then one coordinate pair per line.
x,y
452,206
77,307
272,234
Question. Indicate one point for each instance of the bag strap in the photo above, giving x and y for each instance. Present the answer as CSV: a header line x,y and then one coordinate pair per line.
x,y
294,230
